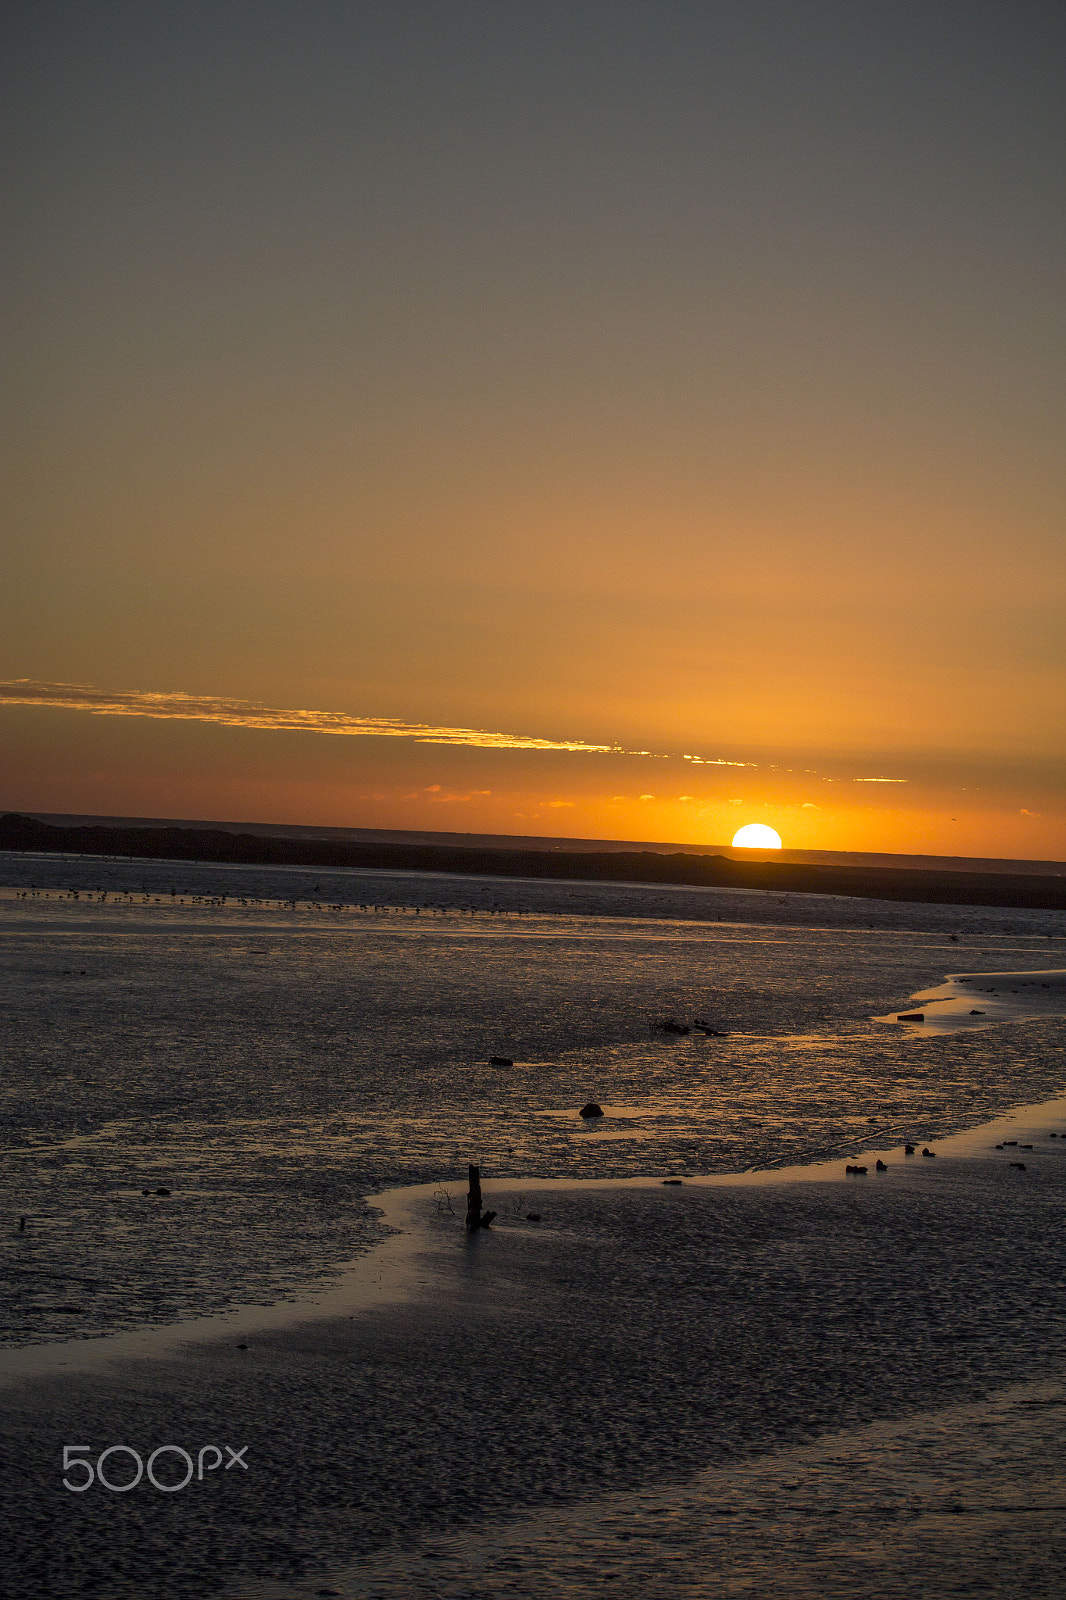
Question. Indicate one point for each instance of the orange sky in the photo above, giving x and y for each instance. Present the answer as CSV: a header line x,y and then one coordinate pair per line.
x,y
682,379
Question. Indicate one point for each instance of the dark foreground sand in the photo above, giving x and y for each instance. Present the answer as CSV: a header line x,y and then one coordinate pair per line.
x,y
789,1384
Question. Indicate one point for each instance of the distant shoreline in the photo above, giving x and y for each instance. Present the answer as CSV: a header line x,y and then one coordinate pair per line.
x,y
651,865
560,842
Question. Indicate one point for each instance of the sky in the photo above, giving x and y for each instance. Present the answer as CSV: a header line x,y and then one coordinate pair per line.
x,y
612,420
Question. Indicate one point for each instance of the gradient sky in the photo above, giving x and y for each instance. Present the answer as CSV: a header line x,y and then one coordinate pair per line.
x,y
676,380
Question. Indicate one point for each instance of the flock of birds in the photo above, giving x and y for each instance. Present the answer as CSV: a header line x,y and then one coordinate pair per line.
x,y
186,897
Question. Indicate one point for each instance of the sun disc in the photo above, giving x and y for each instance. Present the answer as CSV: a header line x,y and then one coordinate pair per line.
x,y
756,836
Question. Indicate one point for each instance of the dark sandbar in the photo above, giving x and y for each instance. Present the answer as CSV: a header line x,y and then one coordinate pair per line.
x,y
1027,889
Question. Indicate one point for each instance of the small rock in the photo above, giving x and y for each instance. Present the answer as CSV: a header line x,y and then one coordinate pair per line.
x,y
910,1016
881,1167
908,1149
162,1191
676,1182
591,1110
1025,1147
977,1013
532,1216
500,1061
860,1172
1018,1165
930,1154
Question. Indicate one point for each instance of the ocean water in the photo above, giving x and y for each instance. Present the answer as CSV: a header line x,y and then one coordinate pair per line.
x,y
272,1047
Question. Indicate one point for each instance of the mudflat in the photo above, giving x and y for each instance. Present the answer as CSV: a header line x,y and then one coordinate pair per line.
x,y
784,1355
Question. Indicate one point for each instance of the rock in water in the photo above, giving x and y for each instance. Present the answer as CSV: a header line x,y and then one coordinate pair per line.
x,y
591,1110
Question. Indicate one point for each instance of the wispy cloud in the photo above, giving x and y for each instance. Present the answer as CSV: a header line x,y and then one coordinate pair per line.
x,y
708,761
448,798
248,714
235,713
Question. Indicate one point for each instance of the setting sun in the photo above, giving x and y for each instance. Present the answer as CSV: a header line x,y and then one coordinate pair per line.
x,y
756,836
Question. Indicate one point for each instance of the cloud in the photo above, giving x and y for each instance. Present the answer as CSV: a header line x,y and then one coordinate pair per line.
x,y
247,714
808,805
460,799
702,761
880,780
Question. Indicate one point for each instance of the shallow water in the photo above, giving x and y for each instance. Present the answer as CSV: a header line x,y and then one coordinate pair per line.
x,y
969,1000
273,1062
749,1390
676,1370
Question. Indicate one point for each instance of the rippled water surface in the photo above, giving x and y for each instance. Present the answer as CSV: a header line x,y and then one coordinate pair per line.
x,y
828,1388
272,1061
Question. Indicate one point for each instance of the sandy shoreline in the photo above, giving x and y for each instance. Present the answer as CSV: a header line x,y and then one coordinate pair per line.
x,y
423,1223
971,1000
637,1337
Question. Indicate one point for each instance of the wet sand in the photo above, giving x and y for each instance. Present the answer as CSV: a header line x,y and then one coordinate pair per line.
x,y
745,1385
968,1499
970,1000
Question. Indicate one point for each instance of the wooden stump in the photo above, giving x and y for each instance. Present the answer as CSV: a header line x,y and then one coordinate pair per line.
x,y
473,1201
475,1217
